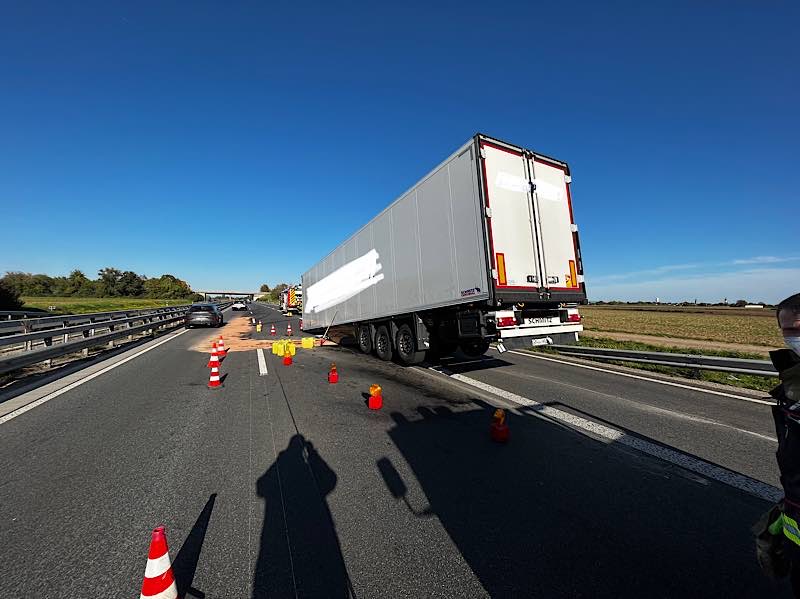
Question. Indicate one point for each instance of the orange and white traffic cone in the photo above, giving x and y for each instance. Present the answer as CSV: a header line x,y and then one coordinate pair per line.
x,y
159,581
272,330
333,375
213,380
375,401
289,329
498,430
221,347
214,359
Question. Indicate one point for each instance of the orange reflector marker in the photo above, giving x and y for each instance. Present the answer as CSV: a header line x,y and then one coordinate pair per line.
x,y
573,274
501,269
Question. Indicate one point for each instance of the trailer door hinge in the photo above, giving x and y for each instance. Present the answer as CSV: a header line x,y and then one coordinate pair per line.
x,y
574,228
488,212
483,152
567,179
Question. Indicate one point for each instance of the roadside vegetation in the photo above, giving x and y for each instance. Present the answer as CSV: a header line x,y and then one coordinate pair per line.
x,y
272,295
84,305
746,381
111,288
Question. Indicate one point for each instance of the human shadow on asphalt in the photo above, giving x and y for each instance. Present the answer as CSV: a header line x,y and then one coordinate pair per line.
x,y
185,564
556,513
299,545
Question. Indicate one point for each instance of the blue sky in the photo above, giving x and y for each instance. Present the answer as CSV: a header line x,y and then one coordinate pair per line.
x,y
237,143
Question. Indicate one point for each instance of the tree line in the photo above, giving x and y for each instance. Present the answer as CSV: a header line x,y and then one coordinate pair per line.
x,y
110,282
273,294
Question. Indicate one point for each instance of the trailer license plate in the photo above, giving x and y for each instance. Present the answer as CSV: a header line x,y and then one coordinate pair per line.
x,y
542,320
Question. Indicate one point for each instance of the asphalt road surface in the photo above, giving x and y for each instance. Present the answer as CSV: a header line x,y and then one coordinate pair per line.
x,y
282,485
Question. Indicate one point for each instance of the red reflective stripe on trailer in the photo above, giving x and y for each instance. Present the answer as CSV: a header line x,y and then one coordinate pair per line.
x,y
528,288
488,218
555,164
501,148
569,203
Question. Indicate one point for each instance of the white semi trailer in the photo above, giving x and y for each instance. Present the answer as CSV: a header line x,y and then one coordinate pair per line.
x,y
482,249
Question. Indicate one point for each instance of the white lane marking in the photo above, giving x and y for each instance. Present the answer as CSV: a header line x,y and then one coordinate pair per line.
x,y
262,363
734,479
644,407
644,378
54,394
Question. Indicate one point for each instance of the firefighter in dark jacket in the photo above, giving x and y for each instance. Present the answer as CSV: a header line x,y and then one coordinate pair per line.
x,y
778,534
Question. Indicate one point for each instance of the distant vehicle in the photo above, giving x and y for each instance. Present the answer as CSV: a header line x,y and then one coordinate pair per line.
x,y
203,315
483,249
292,300
239,306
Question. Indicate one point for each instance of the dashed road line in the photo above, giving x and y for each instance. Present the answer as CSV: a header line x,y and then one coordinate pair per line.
x,y
262,363
689,462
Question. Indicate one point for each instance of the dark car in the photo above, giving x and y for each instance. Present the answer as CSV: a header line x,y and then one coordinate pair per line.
x,y
203,315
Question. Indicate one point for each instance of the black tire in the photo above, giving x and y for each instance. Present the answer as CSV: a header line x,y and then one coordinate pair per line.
x,y
474,349
364,337
405,346
383,343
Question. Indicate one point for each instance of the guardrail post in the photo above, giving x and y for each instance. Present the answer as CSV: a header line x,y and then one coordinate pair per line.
x,y
26,328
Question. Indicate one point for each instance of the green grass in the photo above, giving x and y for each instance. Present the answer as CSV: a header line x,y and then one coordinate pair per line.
x,y
746,381
83,305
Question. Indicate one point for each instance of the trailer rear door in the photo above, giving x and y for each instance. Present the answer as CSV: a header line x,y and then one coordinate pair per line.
x,y
553,210
510,218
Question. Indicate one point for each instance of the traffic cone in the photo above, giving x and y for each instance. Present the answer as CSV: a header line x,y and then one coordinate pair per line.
x,y
375,398
213,380
333,375
498,430
301,324
272,330
221,347
289,329
287,358
214,360
159,581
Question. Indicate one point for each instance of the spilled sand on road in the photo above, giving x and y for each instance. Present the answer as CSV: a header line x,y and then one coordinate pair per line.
x,y
237,334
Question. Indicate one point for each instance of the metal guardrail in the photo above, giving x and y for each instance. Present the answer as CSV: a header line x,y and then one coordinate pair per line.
x,y
697,362
58,336
47,321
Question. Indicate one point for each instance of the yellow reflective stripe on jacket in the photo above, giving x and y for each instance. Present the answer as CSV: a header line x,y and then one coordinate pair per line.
x,y
790,529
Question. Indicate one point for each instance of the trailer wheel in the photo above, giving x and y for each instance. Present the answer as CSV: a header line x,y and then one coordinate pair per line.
x,y
404,344
364,339
383,343
475,348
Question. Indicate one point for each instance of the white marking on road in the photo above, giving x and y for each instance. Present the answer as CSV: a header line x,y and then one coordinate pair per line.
x,y
694,464
644,378
644,406
262,363
54,394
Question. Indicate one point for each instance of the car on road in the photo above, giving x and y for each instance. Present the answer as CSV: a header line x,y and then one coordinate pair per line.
x,y
203,315
239,306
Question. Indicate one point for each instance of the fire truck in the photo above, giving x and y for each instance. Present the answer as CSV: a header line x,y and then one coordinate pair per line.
x,y
292,300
